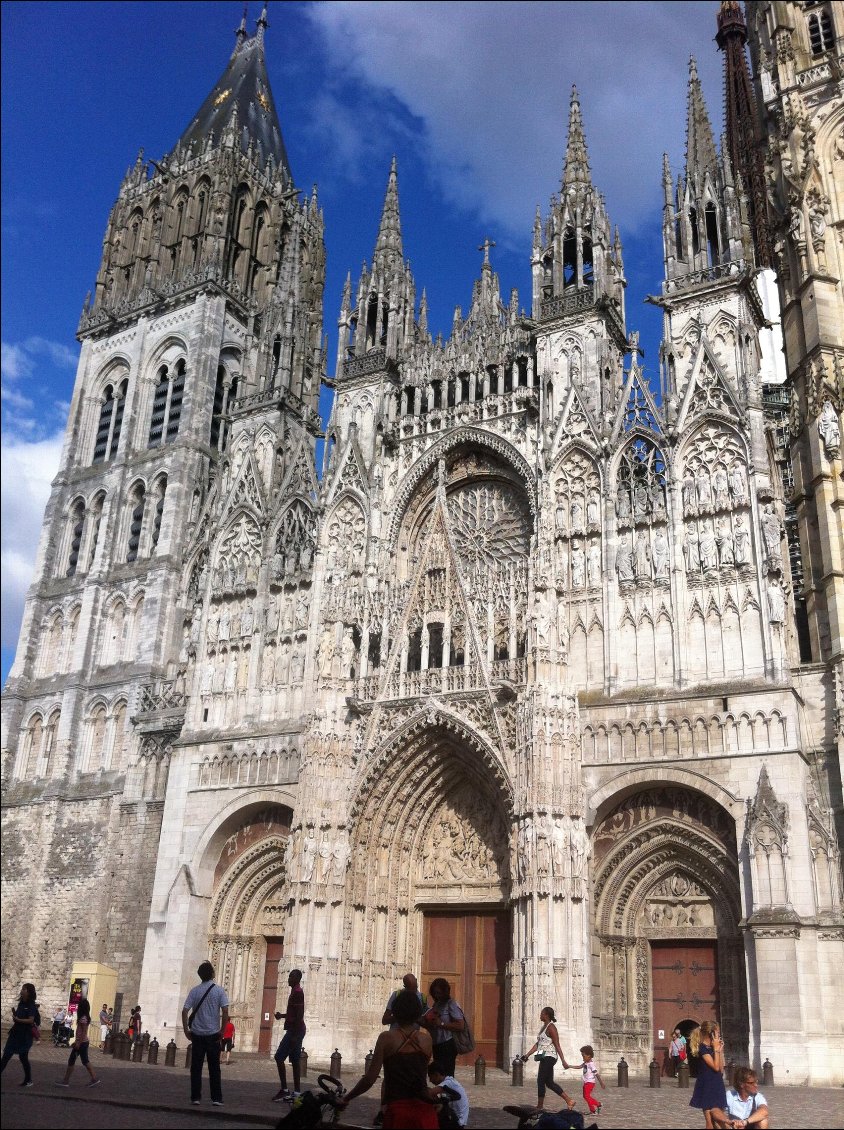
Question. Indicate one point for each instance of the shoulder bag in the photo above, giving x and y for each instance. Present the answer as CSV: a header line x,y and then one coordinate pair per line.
x,y
194,1011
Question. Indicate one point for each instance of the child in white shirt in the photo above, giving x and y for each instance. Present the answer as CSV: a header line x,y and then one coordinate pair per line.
x,y
590,1075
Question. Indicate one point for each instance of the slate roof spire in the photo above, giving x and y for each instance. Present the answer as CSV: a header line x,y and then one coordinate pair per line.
x,y
701,154
242,94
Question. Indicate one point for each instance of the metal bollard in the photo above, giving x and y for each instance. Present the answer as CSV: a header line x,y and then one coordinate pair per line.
x,y
189,1055
152,1051
480,1071
108,1046
683,1075
336,1063
654,1074
623,1073
368,1061
170,1054
767,1074
303,1064
518,1073
121,1047
137,1052
145,1040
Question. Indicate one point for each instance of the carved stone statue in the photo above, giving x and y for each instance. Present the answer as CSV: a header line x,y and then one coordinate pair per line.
x,y
704,489
593,509
578,565
829,430
224,624
724,542
326,852
659,552
689,496
593,564
642,557
624,561
721,483
309,852
622,504
707,548
738,484
347,653
691,551
741,540
576,514
772,533
326,652
776,603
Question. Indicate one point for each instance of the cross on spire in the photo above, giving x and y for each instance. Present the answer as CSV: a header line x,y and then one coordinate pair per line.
x,y
486,247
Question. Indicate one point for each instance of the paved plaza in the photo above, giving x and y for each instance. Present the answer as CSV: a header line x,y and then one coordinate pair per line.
x,y
140,1095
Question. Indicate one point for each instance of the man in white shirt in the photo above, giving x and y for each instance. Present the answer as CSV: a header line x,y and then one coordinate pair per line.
x,y
203,1025
746,1107
441,1085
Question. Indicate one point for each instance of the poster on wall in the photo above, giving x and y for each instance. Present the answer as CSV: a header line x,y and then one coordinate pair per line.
x,y
78,992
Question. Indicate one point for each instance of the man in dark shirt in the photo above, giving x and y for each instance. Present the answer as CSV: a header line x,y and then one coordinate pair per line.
x,y
291,1043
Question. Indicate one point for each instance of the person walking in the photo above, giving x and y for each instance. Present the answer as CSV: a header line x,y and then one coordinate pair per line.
x,y
547,1051
710,1094
291,1042
409,983
443,1019
228,1041
591,1076
404,1052
25,1018
80,1046
677,1051
205,1015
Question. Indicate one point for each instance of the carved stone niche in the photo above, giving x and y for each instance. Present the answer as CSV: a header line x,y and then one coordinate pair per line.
x,y
465,846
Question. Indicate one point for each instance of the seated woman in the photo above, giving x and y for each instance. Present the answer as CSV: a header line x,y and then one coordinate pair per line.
x,y
404,1052
746,1107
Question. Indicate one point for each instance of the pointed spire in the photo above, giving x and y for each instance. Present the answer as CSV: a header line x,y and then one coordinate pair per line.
x,y
576,170
262,25
244,87
423,314
389,245
241,34
701,155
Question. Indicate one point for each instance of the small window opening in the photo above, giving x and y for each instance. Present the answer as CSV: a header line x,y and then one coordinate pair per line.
x,y
712,247
136,522
695,232
435,645
78,525
588,265
569,258
414,651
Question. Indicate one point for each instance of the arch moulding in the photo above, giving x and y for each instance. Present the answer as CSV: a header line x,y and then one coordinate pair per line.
x,y
621,786
209,845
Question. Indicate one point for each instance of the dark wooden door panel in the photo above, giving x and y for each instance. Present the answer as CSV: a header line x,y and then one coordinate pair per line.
x,y
269,994
684,981
471,951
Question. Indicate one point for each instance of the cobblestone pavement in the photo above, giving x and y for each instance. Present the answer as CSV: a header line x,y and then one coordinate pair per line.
x,y
141,1095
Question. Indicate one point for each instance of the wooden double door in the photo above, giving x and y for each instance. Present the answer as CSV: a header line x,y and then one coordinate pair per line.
x,y
685,989
471,950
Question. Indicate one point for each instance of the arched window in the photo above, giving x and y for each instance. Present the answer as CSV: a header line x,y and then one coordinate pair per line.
x,y
95,516
69,642
588,265
821,38
160,490
111,420
33,742
569,258
712,242
96,741
77,526
133,631
48,755
225,393
115,633
695,232
167,404
51,651
137,500
117,745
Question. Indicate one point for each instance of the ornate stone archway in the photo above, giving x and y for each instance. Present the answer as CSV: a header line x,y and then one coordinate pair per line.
x,y
431,828
665,872
249,904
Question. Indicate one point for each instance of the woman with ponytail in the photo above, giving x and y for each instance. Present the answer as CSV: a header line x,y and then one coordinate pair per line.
x,y
547,1051
710,1094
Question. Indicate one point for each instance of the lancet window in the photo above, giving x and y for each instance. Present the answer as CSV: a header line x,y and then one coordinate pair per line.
x,y
167,404
110,422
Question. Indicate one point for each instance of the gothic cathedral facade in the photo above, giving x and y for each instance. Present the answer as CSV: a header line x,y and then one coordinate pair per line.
x,y
507,688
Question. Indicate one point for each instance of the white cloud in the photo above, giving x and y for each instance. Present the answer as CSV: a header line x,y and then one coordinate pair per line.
x,y
490,85
28,469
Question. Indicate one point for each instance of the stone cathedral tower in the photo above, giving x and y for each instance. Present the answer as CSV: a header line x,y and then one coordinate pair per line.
x,y
508,693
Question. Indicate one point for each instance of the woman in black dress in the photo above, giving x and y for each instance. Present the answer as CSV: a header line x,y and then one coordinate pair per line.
x,y
710,1094
25,1017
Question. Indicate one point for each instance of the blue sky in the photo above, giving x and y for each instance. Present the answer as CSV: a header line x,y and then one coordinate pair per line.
x,y
471,97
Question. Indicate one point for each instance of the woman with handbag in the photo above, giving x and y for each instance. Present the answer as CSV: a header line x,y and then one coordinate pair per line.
x,y
443,1019
677,1050
546,1051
